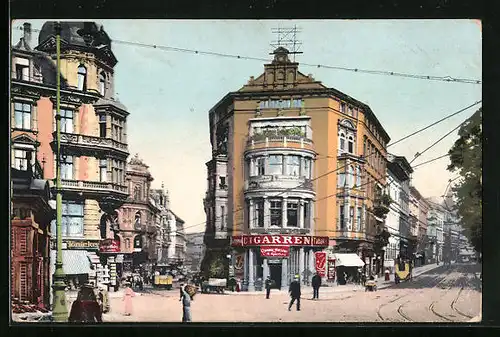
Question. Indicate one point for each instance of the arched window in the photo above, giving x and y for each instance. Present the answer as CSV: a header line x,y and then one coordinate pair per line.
x,y
137,220
350,144
342,141
102,83
82,78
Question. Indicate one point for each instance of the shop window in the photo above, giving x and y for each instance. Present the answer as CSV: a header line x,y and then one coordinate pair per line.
x,y
22,115
276,213
275,164
82,78
293,165
292,213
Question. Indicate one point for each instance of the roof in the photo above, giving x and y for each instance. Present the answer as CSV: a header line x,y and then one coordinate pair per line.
x,y
176,217
71,32
111,102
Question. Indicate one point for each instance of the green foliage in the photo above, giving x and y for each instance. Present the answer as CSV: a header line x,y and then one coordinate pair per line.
x,y
216,268
294,131
466,159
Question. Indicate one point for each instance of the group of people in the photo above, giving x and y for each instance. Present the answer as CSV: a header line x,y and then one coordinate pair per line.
x,y
294,289
88,307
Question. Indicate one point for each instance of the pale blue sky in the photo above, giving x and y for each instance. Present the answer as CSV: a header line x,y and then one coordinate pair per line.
x,y
169,94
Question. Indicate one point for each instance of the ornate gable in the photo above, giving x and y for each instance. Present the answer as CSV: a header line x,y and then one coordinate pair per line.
x,y
25,138
347,123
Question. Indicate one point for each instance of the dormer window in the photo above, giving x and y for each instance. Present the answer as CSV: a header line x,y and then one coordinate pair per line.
x,y
102,83
82,78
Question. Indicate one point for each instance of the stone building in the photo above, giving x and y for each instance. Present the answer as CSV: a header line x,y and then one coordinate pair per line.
x,y
275,200
93,133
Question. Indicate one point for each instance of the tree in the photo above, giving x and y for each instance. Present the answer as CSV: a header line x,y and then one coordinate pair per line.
x,y
466,159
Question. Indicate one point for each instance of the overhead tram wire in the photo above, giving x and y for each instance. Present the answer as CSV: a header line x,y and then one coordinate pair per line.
x,y
448,79
431,160
367,156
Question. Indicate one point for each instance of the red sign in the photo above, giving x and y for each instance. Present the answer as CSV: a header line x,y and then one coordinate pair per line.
x,y
280,240
275,251
109,246
320,263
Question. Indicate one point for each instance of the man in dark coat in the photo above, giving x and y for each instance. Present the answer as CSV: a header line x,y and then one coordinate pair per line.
x,y
294,291
316,283
268,285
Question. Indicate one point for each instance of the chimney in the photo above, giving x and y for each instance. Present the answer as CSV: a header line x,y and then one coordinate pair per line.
x,y
27,33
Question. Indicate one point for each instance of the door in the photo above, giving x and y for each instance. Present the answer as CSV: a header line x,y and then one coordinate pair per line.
x,y
275,273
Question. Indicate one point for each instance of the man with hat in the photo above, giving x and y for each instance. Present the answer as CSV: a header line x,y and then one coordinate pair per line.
x,y
268,285
294,291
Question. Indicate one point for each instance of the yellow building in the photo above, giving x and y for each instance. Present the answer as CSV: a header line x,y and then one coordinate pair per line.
x,y
291,159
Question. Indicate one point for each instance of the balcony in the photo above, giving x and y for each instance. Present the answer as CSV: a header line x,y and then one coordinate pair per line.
x,y
94,187
91,142
259,141
278,182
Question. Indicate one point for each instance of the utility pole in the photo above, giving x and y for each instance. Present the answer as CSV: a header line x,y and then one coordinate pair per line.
x,y
59,308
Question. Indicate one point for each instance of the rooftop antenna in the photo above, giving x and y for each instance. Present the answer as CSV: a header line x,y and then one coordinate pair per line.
x,y
287,38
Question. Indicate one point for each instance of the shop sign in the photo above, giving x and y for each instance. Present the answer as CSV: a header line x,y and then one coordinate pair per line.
x,y
320,263
331,269
280,240
274,261
109,246
274,251
72,244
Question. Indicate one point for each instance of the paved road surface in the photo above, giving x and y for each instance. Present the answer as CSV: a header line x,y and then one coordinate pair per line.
x,y
443,294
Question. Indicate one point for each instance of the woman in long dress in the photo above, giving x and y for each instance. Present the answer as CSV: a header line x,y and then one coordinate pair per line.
x,y
127,298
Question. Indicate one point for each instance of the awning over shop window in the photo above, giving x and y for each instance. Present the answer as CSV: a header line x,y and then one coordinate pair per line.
x,y
348,260
75,262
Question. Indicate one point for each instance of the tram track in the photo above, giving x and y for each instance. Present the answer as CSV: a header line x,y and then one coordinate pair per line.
x,y
452,305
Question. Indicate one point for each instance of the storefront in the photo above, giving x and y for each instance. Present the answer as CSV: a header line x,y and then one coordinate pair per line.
x,y
109,253
255,257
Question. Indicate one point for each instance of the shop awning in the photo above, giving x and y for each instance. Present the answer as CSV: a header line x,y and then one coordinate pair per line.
x,y
348,260
75,262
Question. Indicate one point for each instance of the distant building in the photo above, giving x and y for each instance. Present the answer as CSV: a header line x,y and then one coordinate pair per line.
x,y
195,248
419,209
435,229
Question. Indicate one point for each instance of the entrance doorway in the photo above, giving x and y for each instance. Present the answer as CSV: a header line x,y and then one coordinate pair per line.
x,y
275,274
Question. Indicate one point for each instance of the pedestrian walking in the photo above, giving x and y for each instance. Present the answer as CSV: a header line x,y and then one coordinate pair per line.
x,y
186,305
268,285
316,283
294,291
127,299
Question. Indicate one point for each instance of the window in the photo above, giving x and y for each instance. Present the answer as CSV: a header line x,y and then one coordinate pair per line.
x,y
261,166
341,217
292,213
102,83
350,176
351,215
22,115
342,107
350,145
117,176
222,183
72,219
137,193
138,242
20,159
258,216
102,126
222,217
293,165
22,72
358,176
349,111
306,213
103,170
276,213
275,164
307,168
342,141
82,78
341,180
358,219
66,120
67,167
364,147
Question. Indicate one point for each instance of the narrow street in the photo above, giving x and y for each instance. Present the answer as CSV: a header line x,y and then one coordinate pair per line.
x,y
443,294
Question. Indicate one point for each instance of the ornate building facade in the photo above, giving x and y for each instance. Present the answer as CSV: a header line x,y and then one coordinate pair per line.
x,y
295,166
93,134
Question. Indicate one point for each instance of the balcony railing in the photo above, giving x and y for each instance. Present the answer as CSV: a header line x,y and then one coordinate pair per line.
x,y
93,185
258,139
278,181
92,141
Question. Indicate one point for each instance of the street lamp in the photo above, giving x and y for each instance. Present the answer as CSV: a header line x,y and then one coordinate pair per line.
x,y
59,308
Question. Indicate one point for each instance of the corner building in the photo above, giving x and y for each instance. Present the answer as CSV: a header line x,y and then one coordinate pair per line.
x,y
295,168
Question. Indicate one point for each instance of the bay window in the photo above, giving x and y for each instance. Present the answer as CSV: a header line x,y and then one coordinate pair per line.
x,y
103,170
82,78
292,213
293,165
275,164
261,166
276,213
306,172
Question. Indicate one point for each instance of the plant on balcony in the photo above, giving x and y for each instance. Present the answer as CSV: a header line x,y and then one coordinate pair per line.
x,y
295,131
381,206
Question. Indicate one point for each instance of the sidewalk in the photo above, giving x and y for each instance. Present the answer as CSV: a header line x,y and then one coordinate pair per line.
x,y
382,284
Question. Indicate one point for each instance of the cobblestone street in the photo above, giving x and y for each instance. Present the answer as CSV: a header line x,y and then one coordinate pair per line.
x,y
443,294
